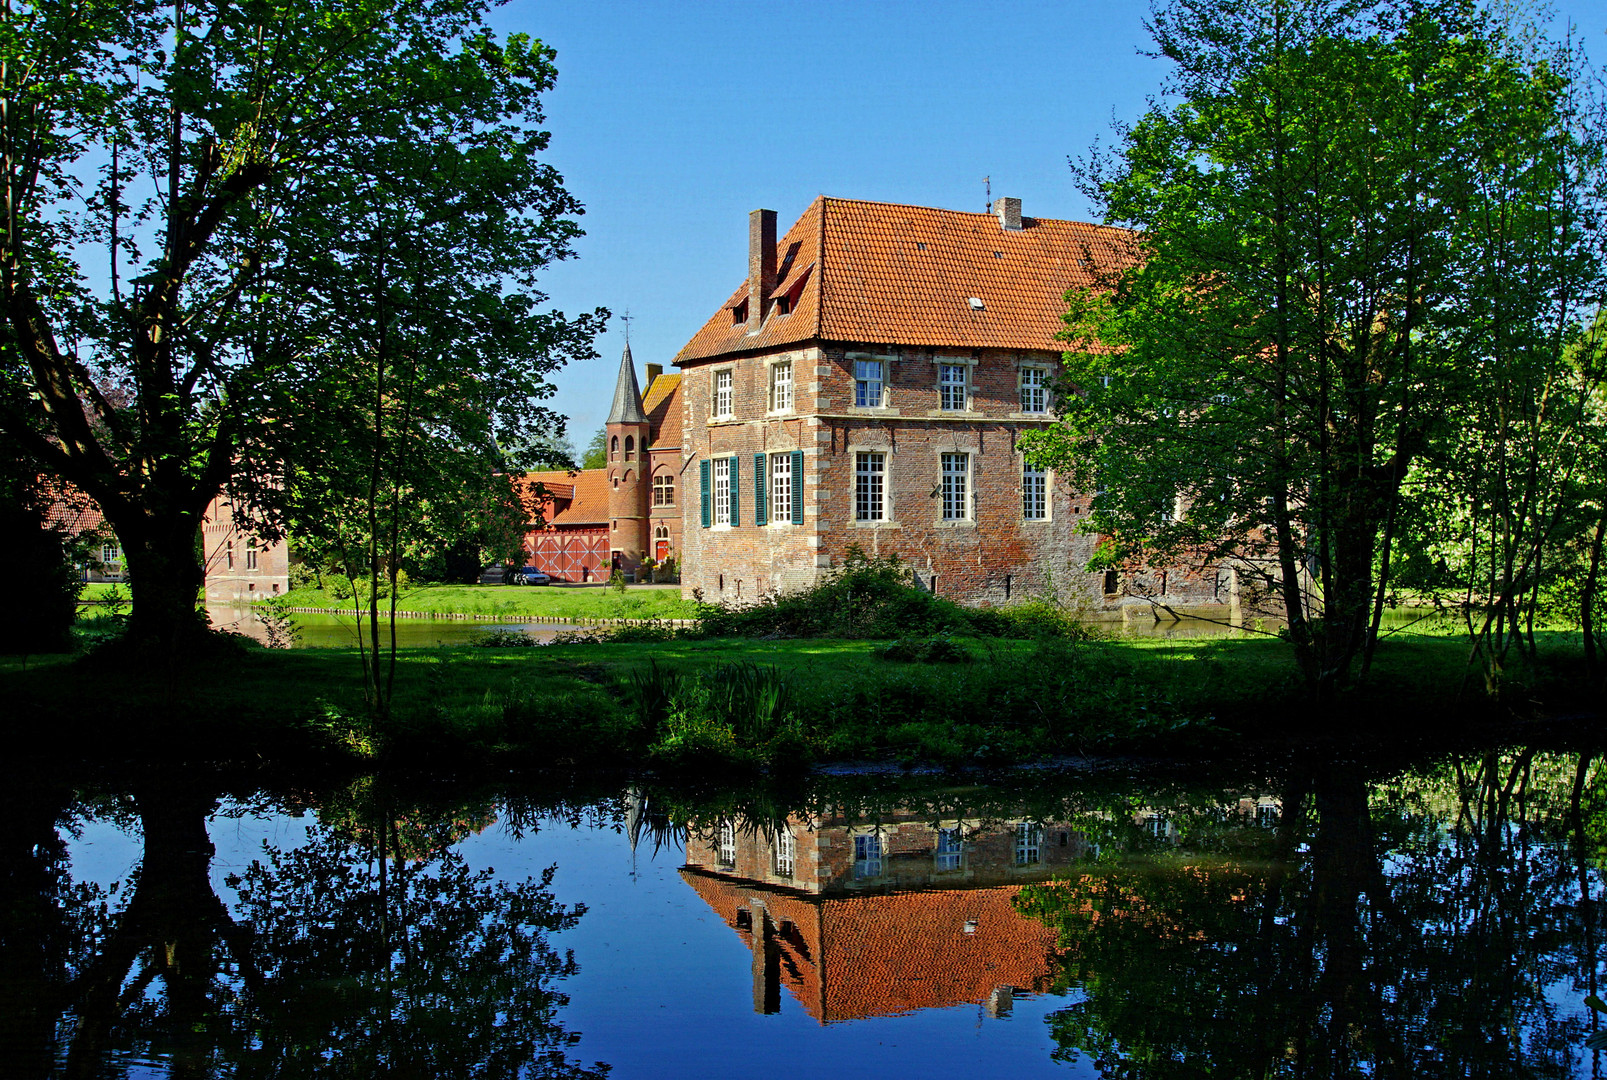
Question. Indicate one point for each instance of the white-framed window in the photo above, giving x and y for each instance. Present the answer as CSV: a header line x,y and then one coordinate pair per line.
x,y
781,387
1034,492
952,388
722,394
1034,390
251,554
947,854
780,488
870,384
110,555
786,853
664,489
1029,843
870,477
722,490
728,844
228,553
867,855
956,487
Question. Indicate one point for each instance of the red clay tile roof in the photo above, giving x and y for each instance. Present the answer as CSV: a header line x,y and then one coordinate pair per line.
x,y
581,497
881,273
889,953
663,407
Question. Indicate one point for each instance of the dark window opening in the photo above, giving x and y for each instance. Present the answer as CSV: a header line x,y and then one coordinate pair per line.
x,y
1112,582
739,314
1007,586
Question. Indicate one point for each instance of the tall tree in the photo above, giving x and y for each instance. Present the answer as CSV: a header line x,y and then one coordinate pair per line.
x,y
167,169
1312,284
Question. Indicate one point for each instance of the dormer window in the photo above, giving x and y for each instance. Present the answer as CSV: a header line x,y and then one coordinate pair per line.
x,y
739,313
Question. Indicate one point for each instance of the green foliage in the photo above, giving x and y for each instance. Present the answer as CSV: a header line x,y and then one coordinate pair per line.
x,y
596,455
729,714
939,649
866,597
1252,383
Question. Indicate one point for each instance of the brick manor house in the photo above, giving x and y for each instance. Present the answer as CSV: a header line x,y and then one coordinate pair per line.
x,y
866,385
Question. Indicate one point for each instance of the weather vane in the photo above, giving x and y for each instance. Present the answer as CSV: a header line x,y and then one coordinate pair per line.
x,y
626,319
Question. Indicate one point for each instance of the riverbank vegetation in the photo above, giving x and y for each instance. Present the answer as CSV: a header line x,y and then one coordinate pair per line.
x,y
726,704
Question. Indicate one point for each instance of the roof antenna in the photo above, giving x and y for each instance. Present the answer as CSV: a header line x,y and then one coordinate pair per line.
x,y
987,193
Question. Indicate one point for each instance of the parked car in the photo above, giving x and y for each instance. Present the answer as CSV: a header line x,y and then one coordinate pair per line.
x,y
531,576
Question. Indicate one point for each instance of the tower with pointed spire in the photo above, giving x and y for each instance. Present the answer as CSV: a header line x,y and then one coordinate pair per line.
x,y
629,482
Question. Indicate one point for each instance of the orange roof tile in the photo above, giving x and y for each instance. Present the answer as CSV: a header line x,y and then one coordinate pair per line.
x,y
884,954
881,273
581,497
663,407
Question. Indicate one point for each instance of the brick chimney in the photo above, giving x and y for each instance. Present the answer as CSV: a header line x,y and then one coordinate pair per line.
x,y
1009,213
762,263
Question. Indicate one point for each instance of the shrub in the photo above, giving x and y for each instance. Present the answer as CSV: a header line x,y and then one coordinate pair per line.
x,y
867,597
940,649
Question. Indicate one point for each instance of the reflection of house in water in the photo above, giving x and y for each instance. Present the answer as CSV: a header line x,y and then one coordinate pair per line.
x,y
874,919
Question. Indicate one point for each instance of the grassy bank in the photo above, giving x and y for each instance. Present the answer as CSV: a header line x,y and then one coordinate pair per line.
x,y
598,602
738,704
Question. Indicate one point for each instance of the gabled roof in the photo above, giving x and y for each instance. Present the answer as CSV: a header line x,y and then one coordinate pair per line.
x,y
574,498
881,273
663,407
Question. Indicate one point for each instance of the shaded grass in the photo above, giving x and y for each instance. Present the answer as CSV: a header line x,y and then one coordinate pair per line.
x,y
778,705
561,602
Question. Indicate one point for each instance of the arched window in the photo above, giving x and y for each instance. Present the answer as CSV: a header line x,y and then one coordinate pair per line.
x,y
630,448
613,448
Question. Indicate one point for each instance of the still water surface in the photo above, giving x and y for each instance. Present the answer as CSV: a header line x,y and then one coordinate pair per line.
x,y
1318,919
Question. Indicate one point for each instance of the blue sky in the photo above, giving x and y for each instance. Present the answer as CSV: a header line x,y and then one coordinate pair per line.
x,y
671,121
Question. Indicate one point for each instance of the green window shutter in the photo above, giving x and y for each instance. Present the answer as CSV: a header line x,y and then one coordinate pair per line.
x,y
736,499
797,487
705,492
760,491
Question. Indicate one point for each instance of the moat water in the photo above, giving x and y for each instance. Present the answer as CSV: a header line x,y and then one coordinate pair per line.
x,y
1310,919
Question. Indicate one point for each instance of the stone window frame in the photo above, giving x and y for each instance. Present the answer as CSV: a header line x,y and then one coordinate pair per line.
x,y
1029,843
854,450
728,371
1041,388
772,364
668,485
1047,493
722,502
948,849
885,362
784,854
969,481
1023,362
777,460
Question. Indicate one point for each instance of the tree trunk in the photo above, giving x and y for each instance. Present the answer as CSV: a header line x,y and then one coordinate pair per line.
x,y
165,574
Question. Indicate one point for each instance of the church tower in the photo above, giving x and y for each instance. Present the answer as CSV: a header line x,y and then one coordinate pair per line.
x,y
629,484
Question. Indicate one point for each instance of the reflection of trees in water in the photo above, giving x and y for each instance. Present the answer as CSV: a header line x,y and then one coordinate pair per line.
x,y
1352,940
355,955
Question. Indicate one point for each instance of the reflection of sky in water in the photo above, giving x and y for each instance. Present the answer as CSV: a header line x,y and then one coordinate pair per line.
x,y
665,987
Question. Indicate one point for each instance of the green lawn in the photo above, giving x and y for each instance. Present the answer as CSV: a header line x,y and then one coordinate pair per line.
x,y
583,703
583,602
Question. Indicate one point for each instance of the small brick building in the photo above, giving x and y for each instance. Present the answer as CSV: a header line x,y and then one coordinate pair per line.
x,y
595,521
867,386
239,565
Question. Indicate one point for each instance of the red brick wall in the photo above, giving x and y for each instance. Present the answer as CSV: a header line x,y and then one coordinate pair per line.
x,y
994,556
